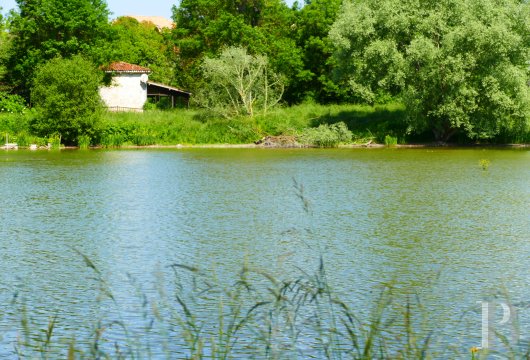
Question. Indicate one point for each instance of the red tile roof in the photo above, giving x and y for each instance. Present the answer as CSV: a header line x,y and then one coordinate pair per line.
x,y
126,67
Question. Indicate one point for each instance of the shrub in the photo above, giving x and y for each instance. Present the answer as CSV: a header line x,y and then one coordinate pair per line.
x,y
83,141
391,140
65,94
326,135
13,104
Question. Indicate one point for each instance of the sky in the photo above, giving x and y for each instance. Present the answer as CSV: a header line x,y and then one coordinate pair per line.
x,y
129,7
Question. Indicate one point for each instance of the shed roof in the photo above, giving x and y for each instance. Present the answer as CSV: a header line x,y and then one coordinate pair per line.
x,y
155,88
124,67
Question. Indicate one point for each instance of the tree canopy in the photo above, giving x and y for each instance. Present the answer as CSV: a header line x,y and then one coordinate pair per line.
x,y
240,83
5,42
139,43
45,29
459,65
205,27
312,27
65,94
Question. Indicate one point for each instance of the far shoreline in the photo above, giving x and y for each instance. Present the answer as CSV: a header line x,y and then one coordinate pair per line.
x,y
260,146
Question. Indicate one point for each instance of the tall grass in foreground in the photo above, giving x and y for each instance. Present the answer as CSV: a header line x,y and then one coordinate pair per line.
x,y
255,316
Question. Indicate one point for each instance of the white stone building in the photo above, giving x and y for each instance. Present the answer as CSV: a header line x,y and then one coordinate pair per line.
x,y
128,88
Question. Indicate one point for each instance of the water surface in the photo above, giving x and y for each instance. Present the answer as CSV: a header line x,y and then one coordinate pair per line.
x,y
429,220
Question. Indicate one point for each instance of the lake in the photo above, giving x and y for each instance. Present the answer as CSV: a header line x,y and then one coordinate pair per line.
x,y
430,223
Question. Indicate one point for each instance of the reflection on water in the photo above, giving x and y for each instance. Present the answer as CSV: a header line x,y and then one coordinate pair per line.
x,y
431,220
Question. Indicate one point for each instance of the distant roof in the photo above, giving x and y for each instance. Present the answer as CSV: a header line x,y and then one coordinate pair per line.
x,y
124,67
155,85
159,21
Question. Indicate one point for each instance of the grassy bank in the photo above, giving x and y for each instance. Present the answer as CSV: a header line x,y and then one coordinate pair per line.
x,y
383,124
199,127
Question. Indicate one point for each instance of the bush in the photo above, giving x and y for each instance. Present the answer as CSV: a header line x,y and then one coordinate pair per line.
x,y
13,104
391,140
326,135
65,94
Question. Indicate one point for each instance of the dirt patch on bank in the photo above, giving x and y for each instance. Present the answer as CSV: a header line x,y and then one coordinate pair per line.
x,y
281,141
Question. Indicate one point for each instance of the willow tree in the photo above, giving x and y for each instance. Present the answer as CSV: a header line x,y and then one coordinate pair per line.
x,y
459,65
238,83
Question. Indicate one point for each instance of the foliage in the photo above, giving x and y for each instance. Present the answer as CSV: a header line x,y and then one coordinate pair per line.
x,y
17,127
458,65
45,29
140,43
172,128
391,140
65,94
313,22
205,27
83,141
326,135
13,104
239,83
5,44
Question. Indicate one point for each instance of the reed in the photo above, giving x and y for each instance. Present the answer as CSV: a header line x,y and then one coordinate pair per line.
x,y
256,315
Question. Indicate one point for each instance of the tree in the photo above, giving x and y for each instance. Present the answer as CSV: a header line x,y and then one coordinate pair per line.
x,y
65,94
459,65
312,27
205,27
5,44
240,83
142,44
45,29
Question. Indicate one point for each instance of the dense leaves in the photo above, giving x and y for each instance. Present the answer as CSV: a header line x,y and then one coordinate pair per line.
x,y
140,43
45,29
65,94
5,44
239,83
312,26
264,27
459,65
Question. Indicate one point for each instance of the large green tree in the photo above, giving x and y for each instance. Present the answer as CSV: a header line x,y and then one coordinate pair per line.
x,y
140,43
65,94
205,27
45,29
312,27
4,49
459,65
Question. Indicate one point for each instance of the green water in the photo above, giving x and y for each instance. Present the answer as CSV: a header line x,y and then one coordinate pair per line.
x,y
429,220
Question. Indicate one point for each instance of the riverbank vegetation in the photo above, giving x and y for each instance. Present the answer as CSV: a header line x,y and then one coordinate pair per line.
x,y
306,123
458,72
195,126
